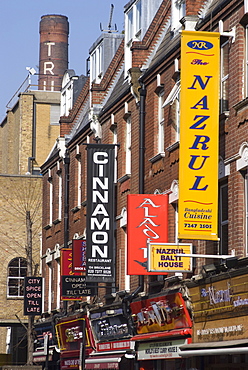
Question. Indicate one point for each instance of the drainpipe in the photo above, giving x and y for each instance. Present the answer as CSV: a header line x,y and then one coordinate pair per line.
x,y
66,199
142,112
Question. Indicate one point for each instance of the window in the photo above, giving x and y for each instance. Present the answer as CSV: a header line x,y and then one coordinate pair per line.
x,y
223,219
96,64
178,11
224,71
246,211
60,195
160,122
79,179
246,31
128,146
50,184
134,22
17,270
173,99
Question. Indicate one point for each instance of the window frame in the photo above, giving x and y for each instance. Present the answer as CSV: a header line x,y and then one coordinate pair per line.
x,y
20,277
223,222
224,77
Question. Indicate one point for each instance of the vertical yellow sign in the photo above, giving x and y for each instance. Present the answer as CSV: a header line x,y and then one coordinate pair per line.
x,y
199,136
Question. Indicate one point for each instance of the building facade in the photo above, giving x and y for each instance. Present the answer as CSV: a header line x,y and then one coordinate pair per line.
x,y
133,105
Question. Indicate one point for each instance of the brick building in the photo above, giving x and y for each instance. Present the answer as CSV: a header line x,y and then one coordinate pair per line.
x,y
134,104
27,134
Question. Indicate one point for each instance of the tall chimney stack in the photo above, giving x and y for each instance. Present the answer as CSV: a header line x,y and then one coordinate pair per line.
x,y
53,61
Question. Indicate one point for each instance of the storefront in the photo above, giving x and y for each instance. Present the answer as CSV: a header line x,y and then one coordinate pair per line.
x,y
75,341
46,351
220,334
112,332
163,324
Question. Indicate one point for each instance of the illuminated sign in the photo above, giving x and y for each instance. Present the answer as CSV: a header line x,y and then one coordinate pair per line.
x,y
159,314
147,220
160,350
166,257
199,122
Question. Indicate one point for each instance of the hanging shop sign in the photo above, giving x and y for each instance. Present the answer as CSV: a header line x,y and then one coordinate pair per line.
x,y
71,332
32,295
78,255
160,350
73,284
220,309
147,221
199,117
160,314
110,325
167,257
100,252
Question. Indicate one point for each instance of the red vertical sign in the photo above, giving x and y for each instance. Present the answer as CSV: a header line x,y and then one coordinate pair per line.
x,y
147,219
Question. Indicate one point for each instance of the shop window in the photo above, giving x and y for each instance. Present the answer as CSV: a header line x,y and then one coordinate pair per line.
x,y
223,218
224,76
17,270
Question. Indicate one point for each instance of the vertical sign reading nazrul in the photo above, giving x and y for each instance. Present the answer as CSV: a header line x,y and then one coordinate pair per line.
x,y
100,264
199,136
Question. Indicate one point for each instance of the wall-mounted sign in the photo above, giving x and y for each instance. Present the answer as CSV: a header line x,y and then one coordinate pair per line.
x,y
110,326
78,255
199,115
147,219
100,263
160,314
70,334
220,309
166,257
32,295
73,284
160,350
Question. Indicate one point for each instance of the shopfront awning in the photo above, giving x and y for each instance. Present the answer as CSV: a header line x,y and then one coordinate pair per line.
x,y
103,362
229,347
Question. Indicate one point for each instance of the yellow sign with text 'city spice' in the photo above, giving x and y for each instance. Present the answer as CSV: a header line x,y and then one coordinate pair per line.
x,y
199,134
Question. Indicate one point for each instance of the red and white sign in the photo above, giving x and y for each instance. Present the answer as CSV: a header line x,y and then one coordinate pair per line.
x,y
147,220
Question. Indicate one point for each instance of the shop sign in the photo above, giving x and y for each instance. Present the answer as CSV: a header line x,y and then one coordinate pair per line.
x,y
147,221
199,137
114,346
73,284
220,309
78,255
160,350
32,295
70,334
160,314
100,263
111,326
69,363
164,257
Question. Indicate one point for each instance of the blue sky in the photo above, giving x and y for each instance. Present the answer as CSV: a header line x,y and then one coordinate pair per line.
x,y
19,35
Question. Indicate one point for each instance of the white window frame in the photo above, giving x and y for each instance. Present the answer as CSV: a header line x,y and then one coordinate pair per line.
x,y
178,11
160,122
96,64
60,195
50,200
223,77
79,181
174,97
128,145
222,222
19,277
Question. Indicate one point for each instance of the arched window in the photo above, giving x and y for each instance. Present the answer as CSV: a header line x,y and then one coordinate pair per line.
x,y
17,270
